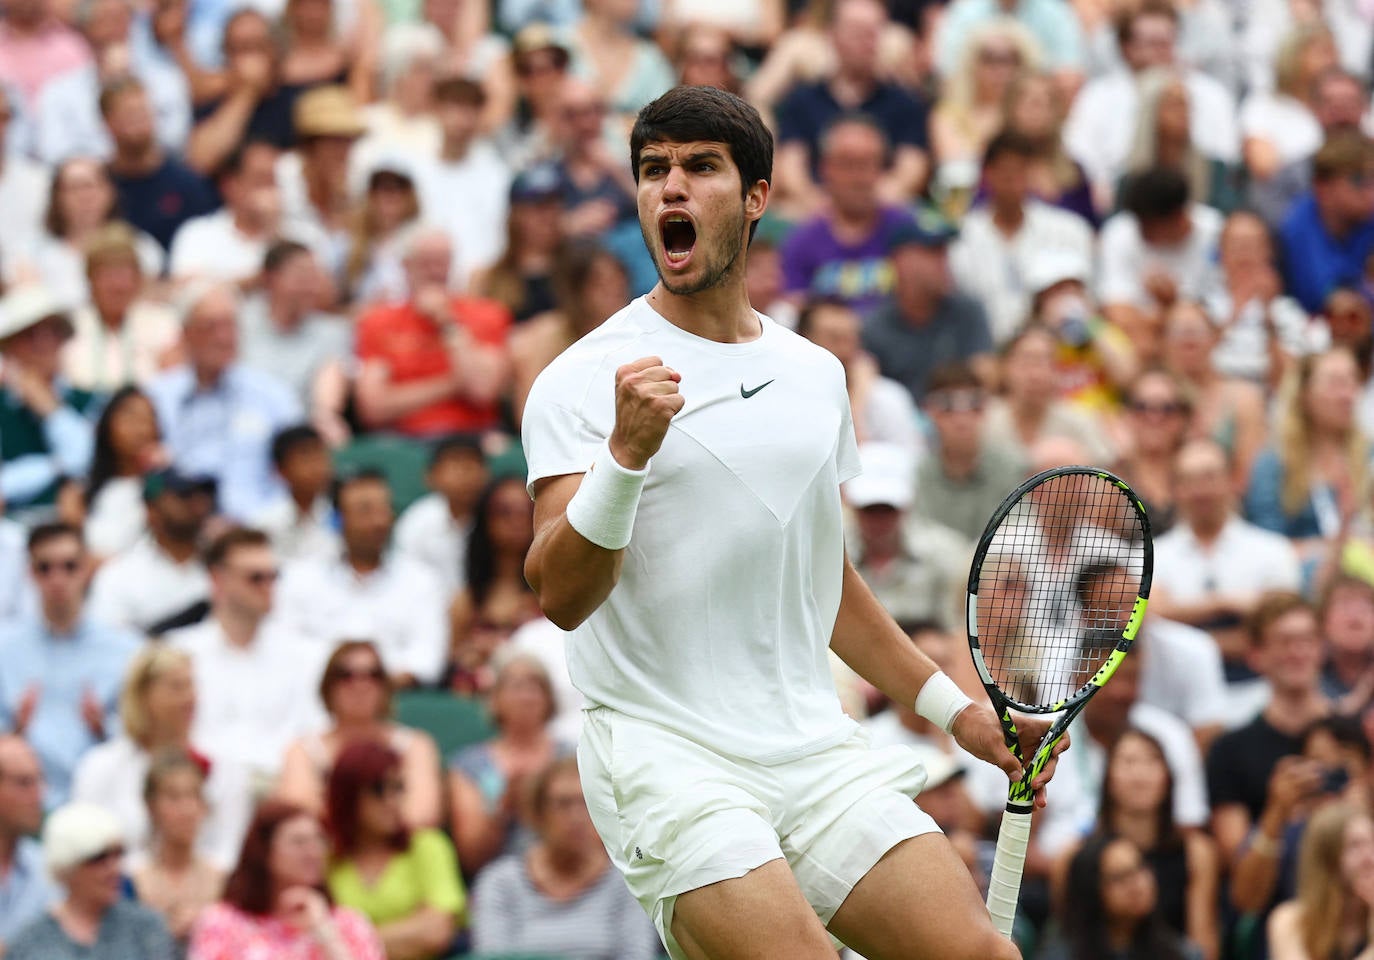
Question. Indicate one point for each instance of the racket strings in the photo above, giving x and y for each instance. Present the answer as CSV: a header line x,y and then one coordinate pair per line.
x,y
1057,587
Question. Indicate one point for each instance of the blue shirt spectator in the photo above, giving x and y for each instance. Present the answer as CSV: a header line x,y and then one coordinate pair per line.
x,y
219,417
1329,233
26,888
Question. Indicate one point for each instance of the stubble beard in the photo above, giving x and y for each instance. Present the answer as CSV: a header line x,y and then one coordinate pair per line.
x,y
713,272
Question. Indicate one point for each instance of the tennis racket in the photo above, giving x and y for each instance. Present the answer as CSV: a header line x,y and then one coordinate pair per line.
x,y
1056,593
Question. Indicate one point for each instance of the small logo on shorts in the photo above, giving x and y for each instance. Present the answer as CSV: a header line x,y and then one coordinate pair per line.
x,y
639,854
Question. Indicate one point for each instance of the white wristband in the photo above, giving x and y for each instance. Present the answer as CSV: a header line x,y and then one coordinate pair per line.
x,y
603,508
941,700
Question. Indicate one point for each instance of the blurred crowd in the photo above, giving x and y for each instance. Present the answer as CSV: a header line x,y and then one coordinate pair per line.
x,y
276,277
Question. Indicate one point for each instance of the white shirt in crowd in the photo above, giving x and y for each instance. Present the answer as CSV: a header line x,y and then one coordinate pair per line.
x,y
116,517
67,117
143,586
427,533
1182,672
1244,348
62,268
1243,560
541,639
401,607
993,267
211,247
1125,259
1286,123
744,492
469,198
24,198
111,775
18,596
252,702
298,535
1269,22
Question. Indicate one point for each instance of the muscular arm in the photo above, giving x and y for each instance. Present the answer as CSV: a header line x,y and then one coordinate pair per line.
x,y
869,640
571,575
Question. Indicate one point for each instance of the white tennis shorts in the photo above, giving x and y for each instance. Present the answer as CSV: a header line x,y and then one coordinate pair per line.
x,y
675,816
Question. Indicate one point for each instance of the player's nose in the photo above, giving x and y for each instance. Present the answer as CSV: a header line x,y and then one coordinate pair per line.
x,y
675,184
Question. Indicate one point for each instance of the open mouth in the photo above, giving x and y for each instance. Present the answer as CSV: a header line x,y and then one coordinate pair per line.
x,y
679,237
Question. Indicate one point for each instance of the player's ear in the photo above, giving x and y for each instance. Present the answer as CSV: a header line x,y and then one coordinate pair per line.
x,y
756,200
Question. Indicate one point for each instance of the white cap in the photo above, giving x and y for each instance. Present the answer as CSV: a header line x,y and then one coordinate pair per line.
x,y
1056,265
27,305
76,832
888,478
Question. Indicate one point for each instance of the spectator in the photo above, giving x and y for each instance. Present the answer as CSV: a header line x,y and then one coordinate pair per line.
x,y
999,241
23,185
1030,409
1328,233
1110,907
882,408
403,121
122,336
378,228
705,54
1347,621
45,425
1159,416
218,414
1036,107
1098,132
156,708
26,888
405,881
60,669
158,191
356,691
313,178
83,846
540,60
1268,23
855,85
488,782
435,529
286,335
596,187
275,902
1156,251
496,596
470,183
436,363
127,447
928,321
626,70
842,252
253,677
561,895
315,50
1248,785
1312,473
174,879
160,577
1279,126
366,591
302,523
522,279
755,25
913,566
964,478
35,47
1052,26
1330,914
590,284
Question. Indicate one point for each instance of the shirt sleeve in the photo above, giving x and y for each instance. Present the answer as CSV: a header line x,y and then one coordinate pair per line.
x,y
437,870
1222,782
557,439
847,464
1118,263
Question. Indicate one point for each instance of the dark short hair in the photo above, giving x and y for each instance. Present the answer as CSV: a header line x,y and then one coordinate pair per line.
x,y
230,540
232,164
456,445
280,252
1009,143
956,375
1126,21
1272,607
1156,194
1345,730
291,439
856,118
355,477
460,90
47,532
806,318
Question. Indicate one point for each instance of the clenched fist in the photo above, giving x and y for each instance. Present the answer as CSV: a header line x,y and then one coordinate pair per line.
x,y
646,399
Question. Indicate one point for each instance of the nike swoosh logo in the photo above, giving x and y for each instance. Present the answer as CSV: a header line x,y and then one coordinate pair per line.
x,y
746,394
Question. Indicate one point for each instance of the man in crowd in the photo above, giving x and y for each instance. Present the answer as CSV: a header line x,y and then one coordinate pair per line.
x,y
434,530
313,177
300,523
1329,232
470,182
36,46
26,887
61,670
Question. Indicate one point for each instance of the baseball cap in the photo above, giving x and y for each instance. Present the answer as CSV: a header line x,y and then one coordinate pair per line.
x,y
172,480
77,832
926,228
888,478
539,36
538,183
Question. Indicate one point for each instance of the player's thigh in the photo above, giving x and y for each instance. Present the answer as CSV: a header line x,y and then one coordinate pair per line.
x,y
759,916
919,903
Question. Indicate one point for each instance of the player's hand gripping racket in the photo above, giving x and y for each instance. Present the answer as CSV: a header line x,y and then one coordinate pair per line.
x,y
1056,592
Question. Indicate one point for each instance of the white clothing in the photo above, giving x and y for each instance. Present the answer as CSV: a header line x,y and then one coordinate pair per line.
x,y
18,595
1284,122
1181,672
67,113
143,586
469,199
296,535
117,517
295,357
993,268
62,269
211,247
252,703
742,506
1244,348
1124,259
24,198
427,533
986,785
1268,22
401,607
1078,780
1243,560
302,219
541,638
889,415
1101,124
111,775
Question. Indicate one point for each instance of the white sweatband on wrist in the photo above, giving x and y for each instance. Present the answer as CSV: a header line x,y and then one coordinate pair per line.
x,y
941,700
603,508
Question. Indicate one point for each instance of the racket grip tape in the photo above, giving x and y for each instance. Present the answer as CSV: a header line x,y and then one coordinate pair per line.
x,y
1004,886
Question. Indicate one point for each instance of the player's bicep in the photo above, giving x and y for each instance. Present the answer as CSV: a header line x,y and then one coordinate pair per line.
x,y
551,496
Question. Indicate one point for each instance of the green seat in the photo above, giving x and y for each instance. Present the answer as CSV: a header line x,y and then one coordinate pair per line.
x,y
454,722
401,459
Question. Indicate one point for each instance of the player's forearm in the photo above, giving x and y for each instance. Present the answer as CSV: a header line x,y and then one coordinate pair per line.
x,y
870,642
571,575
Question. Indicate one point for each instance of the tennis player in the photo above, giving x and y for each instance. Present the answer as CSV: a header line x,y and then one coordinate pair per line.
x,y
685,459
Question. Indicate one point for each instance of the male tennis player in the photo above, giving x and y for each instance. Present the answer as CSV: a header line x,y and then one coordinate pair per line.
x,y
685,459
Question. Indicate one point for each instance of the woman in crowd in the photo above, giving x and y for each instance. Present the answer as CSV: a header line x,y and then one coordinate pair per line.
x,y
404,122
626,69
356,692
314,53
1035,107
1110,908
486,780
496,593
275,903
82,847
405,882
1159,417
373,271
128,446
1231,412
1278,126
561,896
156,707
174,879
705,57
522,278
1331,915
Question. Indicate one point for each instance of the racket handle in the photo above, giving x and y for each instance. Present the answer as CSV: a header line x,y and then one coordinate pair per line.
x,y
1004,886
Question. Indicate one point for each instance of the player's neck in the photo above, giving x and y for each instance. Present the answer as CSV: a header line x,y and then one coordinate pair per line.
x,y
721,313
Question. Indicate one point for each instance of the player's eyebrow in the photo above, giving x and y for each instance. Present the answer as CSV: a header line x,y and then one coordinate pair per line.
x,y
647,158
710,153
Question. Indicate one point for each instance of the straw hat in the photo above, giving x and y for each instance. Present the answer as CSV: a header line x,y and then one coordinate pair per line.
x,y
329,111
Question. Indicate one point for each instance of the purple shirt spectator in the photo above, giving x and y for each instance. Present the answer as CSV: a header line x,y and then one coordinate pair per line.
x,y
817,263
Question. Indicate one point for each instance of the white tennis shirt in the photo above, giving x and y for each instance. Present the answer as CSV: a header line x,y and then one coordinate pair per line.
x,y
719,626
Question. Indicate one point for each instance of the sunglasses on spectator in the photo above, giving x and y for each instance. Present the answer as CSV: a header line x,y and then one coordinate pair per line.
x,y
46,567
373,673
383,789
104,856
956,401
1163,409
